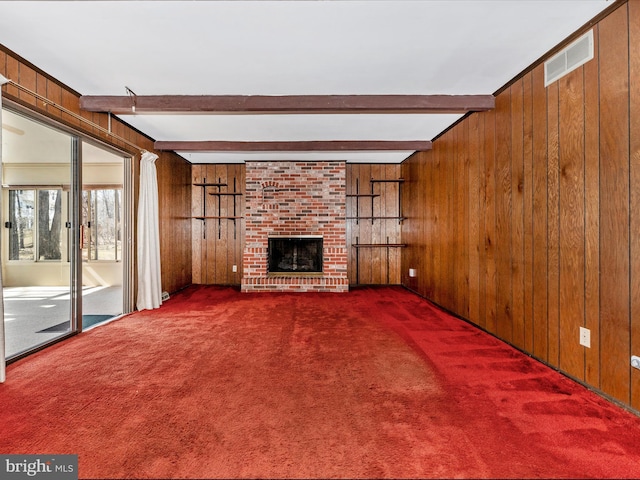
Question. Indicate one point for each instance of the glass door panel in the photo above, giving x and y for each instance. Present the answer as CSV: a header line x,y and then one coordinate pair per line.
x,y
101,234
36,179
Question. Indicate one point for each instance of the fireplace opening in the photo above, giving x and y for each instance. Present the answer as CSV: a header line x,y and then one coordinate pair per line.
x,y
295,255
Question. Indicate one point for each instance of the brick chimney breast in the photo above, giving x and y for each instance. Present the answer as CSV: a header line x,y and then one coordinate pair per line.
x,y
295,199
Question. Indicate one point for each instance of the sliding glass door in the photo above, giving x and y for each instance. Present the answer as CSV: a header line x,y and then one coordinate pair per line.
x,y
66,211
37,261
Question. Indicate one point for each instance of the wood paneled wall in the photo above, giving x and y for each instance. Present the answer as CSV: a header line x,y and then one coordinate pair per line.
x,y
525,220
173,171
174,196
218,243
373,220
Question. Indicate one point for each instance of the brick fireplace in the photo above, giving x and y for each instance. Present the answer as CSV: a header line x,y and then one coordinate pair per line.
x,y
295,199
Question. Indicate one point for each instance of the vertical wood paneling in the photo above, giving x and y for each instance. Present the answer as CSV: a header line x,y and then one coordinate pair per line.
x,y
210,227
416,229
239,224
174,186
69,102
482,209
553,226
517,214
218,243
413,231
592,216
27,78
199,253
475,217
527,192
454,215
539,214
455,177
221,239
12,68
634,114
3,65
216,240
572,197
376,265
455,218
437,238
393,227
41,87
365,255
556,204
431,242
490,222
429,215
463,162
352,225
54,92
450,220
503,216
353,172
614,204
226,244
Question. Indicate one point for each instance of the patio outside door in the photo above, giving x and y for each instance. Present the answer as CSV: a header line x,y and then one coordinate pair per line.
x,y
38,167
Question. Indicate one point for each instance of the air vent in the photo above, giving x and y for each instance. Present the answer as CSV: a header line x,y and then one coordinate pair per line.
x,y
576,54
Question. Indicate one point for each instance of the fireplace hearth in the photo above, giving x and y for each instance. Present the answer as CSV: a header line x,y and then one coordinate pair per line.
x,y
295,255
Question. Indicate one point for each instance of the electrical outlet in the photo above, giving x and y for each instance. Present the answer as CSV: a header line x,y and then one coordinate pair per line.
x,y
585,337
234,268
635,361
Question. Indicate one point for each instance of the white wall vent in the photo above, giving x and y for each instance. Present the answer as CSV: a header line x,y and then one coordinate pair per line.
x,y
570,58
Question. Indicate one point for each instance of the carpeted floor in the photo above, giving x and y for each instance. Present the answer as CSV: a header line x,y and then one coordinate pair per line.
x,y
374,383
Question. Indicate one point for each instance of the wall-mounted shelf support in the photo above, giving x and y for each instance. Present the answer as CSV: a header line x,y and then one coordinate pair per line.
x,y
399,181
373,195
219,194
387,246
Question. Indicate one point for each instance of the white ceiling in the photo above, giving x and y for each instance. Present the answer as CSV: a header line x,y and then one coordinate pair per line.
x,y
330,47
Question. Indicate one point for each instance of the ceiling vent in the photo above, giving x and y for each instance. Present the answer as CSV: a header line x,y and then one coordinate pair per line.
x,y
570,58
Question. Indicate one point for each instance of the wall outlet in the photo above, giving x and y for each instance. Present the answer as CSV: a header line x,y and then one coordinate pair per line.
x,y
585,337
234,268
635,361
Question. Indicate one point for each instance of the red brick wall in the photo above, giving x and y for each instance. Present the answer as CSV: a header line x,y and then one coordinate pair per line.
x,y
291,199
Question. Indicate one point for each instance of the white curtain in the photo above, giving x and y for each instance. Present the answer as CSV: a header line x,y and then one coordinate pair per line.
x,y
3,362
148,245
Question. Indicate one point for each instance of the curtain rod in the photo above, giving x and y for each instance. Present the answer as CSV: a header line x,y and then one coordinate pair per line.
x,y
76,116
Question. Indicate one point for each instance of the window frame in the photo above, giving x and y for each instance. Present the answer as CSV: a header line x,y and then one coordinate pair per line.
x,y
64,237
87,222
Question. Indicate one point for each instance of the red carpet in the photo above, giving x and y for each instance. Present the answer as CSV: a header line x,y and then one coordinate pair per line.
x,y
374,383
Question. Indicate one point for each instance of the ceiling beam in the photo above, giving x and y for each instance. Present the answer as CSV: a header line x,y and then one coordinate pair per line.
x,y
263,104
303,146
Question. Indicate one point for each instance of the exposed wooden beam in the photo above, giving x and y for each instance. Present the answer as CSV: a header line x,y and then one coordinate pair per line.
x,y
263,104
304,146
